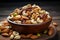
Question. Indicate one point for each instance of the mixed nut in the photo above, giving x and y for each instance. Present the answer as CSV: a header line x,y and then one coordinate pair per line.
x,y
29,14
6,31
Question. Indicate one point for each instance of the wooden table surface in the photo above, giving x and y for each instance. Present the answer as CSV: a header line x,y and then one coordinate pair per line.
x,y
52,7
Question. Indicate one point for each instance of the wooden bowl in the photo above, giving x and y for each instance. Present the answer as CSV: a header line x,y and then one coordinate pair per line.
x,y
29,28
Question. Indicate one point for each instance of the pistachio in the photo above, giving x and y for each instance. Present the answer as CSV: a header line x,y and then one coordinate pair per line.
x,y
45,31
38,34
15,14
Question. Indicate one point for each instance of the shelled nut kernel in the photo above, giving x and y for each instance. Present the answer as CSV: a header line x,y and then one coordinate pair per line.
x,y
17,37
51,31
15,33
5,30
34,37
29,12
55,24
12,36
5,34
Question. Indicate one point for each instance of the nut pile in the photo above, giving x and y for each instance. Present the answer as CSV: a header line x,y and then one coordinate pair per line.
x,y
29,14
6,31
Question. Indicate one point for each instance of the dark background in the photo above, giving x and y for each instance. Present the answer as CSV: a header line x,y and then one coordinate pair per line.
x,y
7,6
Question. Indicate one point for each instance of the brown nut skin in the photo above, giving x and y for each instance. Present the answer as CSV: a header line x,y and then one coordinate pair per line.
x,y
51,31
5,34
2,28
11,32
23,36
5,30
24,17
16,18
43,16
5,23
34,37
29,35
55,24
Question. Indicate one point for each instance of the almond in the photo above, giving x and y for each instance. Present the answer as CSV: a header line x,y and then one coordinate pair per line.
x,y
51,31
55,24
5,30
5,34
34,37
11,32
24,17
23,36
29,35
